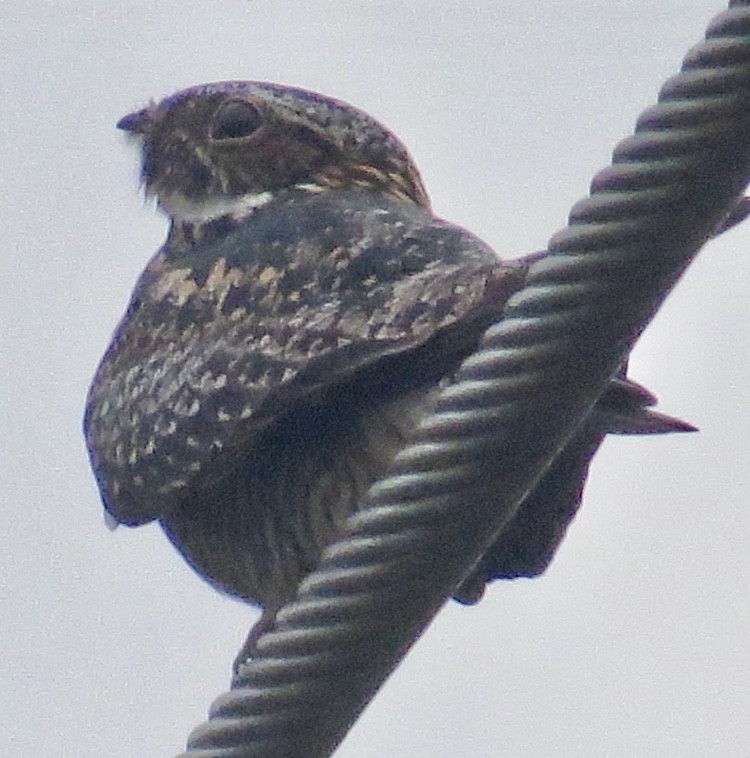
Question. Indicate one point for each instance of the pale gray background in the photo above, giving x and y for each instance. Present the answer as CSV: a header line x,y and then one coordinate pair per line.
x,y
636,641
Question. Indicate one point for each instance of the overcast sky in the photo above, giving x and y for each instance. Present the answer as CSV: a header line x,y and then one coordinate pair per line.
x,y
635,643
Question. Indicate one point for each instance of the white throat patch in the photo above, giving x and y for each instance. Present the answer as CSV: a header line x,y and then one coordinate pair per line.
x,y
180,209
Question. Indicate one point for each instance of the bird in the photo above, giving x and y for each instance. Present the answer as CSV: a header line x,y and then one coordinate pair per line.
x,y
298,323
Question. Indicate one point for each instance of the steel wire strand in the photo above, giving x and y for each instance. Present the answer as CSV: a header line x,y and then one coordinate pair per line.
x,y
515,402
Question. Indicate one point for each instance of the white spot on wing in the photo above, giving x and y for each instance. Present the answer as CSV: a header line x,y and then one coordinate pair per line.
x,y
110,521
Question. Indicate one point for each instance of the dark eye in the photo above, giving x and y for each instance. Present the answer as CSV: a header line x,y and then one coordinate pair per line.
x,y
234,120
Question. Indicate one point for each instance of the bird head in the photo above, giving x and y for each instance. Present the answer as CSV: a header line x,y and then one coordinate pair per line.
x,y
224,148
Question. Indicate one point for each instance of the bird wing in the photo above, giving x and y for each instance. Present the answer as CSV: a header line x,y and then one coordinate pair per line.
x,y
221,340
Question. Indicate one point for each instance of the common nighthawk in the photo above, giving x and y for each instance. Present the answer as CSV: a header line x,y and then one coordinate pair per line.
x,y
297,323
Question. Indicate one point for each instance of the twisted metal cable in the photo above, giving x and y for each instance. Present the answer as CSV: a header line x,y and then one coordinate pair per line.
x,y
515,402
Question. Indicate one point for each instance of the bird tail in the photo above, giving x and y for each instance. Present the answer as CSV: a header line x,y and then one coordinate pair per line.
x,y
531,538
625,408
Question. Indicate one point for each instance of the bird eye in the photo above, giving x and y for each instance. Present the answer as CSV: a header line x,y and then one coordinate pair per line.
x,y
234,120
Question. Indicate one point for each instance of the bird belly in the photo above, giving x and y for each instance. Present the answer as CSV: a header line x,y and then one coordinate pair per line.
x,y
260,529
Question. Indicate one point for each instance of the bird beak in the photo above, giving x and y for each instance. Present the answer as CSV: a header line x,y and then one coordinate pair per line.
x,y
136,123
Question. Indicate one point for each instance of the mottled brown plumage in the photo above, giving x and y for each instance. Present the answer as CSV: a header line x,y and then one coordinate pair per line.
x,y
281,346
